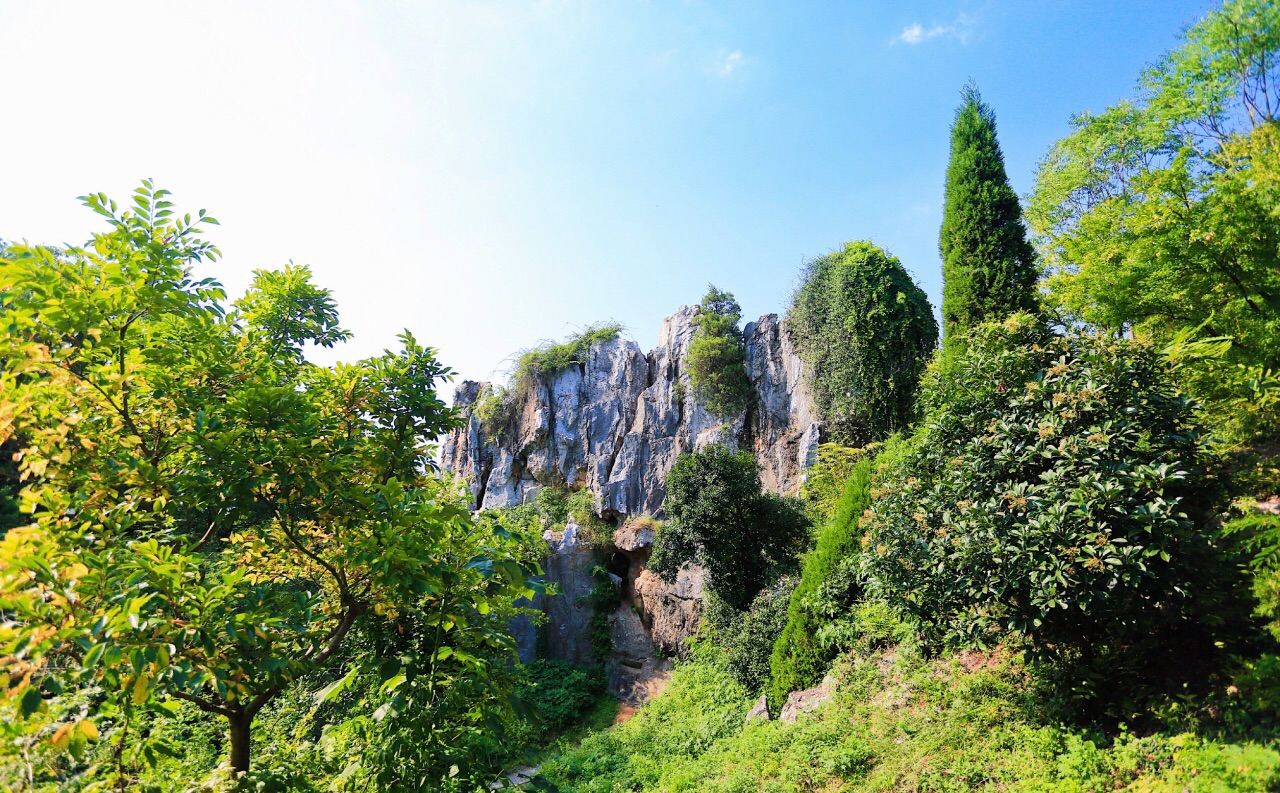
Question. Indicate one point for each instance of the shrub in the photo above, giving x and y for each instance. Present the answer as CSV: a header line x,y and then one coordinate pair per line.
x,y
1059,491
798,659
1258,536
717,355
493,407
720,519
747,637
603,599
865,331
552,508
551,357
824,482
559,693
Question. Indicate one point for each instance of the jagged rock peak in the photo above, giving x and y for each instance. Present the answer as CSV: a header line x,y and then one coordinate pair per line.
x,y
617,423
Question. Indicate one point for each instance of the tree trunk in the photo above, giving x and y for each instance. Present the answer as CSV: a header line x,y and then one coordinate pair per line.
x,y
239,734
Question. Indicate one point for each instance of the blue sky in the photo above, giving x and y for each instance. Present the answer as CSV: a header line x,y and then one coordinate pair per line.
x,y
492,174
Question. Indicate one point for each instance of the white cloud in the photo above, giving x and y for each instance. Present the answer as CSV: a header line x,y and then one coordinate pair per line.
x,y
915,33
729,63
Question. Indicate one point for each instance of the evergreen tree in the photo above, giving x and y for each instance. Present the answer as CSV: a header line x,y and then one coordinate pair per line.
x,y
988,266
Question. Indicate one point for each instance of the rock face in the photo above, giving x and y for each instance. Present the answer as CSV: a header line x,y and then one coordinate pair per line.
x,y
615,424
759,711
569,563
670,610
807,700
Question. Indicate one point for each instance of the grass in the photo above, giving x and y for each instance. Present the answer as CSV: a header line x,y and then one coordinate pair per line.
x,y
552,357
897,722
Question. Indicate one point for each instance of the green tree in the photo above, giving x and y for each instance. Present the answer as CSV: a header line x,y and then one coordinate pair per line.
x,y
209,515
717,355
865,330
988,266
1160,216
1059,491
720,519
799,657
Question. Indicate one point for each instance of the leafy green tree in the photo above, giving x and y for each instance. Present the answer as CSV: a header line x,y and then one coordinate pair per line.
x,y
799,658
1059,491
988,266
747,637
209,515
717,355
720,519
1160,216
865,331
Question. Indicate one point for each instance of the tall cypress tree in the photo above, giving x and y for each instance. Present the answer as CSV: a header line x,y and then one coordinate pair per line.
x,y
988,266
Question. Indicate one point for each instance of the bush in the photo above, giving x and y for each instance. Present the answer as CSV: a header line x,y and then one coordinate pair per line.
x,y
1059,491
551,357
1258,536
824,482
553,508
717,355
865,331
494,408
798,659
720,519
559,694
747,637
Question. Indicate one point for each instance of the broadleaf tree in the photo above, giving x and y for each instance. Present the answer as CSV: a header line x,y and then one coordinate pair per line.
x,y
208,516
1160,216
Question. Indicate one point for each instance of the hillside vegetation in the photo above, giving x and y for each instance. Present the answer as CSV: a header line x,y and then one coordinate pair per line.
x,y
1042,555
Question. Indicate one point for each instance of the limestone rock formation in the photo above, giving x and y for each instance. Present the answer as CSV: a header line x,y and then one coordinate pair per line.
x,y
670,610
809,699
615,424
570,561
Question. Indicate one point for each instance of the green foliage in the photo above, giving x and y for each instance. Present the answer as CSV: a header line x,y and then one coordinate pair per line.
x,y
211,516
720,519
988,267
560,694
865,331
824,481
1160,214
1258,534
604,599
798,658
552,357
897,721
747,637
494,408
1059,490
717,355
552,509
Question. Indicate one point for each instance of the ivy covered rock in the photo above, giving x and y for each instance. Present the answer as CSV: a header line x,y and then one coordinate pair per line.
x,y
866,331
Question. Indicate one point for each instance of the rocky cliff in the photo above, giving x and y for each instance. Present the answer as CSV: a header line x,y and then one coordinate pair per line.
x,y
615,424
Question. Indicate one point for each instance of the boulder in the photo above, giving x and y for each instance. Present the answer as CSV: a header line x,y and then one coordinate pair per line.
x,y
759,711
670,610
807,700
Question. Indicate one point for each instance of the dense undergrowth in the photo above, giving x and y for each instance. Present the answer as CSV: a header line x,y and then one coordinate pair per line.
x,y
901,720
